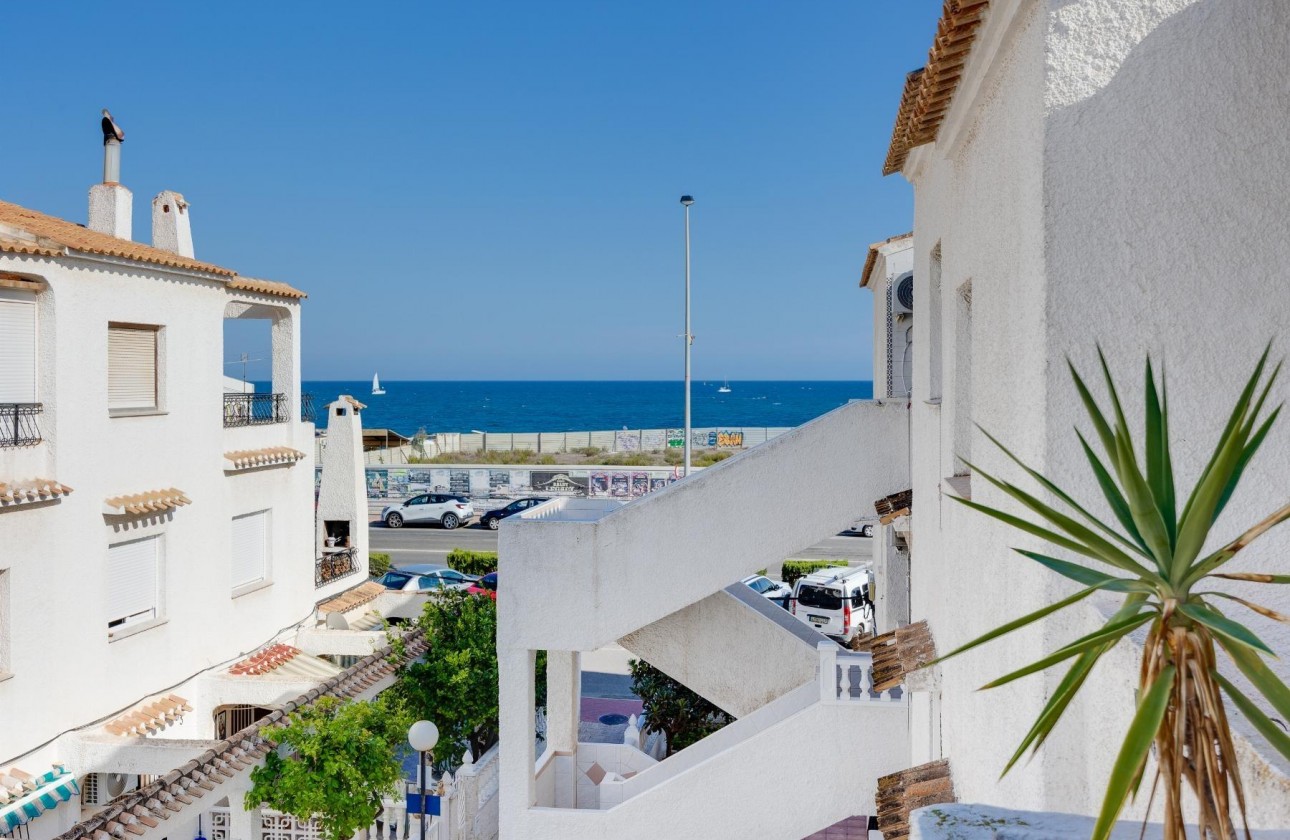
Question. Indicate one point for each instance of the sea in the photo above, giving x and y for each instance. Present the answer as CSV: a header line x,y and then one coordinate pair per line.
x,y
586,406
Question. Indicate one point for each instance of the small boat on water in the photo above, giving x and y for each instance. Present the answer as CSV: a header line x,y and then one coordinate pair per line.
x,y
377,390
725,387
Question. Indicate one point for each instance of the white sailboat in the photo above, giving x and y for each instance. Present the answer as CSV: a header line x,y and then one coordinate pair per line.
x,y
377,390
725,387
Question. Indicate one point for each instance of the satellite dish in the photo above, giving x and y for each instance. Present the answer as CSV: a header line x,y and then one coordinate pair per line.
x,y
336,621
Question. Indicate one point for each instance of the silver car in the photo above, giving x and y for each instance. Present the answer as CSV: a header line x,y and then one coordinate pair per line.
x,y
425,576
439,508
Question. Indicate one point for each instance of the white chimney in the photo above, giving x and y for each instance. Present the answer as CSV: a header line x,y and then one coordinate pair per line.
x,y
111,204
171,228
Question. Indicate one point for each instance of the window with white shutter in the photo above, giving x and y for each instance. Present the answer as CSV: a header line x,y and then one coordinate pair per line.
x,y
250,549
17,347
133,587
132,367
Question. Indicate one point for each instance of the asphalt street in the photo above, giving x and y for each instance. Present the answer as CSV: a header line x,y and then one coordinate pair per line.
x,y
431,544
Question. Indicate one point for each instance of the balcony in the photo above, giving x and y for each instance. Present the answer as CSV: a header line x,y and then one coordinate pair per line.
x,y
334,565
254,409
18,424
307,412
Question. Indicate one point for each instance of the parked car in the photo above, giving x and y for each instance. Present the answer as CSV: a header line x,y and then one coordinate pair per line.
x,y
494,517
424,576
860,529
775,590
448,511
487,585
838,602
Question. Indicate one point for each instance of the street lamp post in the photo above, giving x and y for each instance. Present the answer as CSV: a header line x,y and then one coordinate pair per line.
x,y
687,200
422,737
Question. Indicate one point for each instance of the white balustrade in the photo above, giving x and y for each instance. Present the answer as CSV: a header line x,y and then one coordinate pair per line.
x,y
847,677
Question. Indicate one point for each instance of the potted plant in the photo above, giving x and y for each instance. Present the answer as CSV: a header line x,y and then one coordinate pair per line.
x,y
1153,555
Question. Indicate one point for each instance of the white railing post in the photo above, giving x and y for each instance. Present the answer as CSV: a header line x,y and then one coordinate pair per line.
x,y
828,672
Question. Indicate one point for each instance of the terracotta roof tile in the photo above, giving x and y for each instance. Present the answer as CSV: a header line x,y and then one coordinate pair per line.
x,y
917,787
32,490
872,257
352,598
150,717
245,459
267,287
904,500
76,238
150,501
899,653
929,91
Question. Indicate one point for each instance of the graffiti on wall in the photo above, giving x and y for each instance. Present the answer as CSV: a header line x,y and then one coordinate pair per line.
x,y
402,483
627,441
725,439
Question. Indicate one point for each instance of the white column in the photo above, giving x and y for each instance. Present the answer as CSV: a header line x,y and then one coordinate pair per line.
x,y
563,699
517,790
243,824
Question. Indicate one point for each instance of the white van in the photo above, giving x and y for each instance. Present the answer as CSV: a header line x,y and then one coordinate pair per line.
x,y
837,602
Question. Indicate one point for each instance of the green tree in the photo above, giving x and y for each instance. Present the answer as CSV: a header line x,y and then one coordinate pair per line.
x,y
670,707
341,758
456,684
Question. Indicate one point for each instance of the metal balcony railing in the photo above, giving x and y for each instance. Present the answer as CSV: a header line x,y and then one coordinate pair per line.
x,y
334,565
255,409
307,412
18,424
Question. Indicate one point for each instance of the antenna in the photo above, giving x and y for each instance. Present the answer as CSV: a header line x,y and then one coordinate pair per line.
x,y
243,361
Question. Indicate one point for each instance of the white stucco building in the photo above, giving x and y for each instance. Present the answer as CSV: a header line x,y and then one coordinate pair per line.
x,y
1107,171
163,583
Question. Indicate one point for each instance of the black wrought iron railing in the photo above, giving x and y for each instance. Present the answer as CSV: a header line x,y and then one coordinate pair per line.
x,y
19,424
307,413
255,409
334,565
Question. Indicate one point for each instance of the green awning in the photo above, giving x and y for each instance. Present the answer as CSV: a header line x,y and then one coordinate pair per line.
x,y
52,789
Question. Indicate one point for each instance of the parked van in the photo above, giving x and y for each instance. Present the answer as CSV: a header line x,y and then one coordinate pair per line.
x,y
838,602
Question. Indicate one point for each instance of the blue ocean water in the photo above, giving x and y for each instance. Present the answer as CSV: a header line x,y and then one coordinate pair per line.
x,y
586,406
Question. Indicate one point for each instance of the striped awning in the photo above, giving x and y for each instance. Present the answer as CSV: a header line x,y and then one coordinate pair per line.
x,y
23,798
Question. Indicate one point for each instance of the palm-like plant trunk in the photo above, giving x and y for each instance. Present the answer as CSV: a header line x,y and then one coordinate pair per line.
x,y
1194,744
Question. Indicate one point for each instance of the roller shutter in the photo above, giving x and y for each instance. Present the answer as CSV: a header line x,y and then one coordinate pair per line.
x,y
132,367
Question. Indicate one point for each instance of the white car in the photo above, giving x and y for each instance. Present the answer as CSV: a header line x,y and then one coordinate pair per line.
x,y
775,590
441,508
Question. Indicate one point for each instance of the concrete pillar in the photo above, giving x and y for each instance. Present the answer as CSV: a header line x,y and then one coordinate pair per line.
x,y
563,699
517,791
342,491
111,206
243,824
171,226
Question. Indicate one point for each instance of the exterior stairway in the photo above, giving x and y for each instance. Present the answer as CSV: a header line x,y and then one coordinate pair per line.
x,y
810,739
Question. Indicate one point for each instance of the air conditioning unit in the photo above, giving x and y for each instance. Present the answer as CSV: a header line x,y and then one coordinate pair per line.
x,y
102,788
902,295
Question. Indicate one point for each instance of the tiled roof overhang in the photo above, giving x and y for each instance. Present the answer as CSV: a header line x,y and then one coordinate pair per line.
x,y
889,507
32,233
173,790
917,787
149,718
33,490
899,653
352,598
872,257
151,501
269,456
929,91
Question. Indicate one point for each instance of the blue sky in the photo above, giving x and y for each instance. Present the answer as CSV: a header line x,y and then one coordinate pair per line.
x,y
489,190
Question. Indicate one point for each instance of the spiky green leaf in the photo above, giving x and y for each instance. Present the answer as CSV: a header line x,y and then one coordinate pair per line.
x,y
1114,498
1227,552
1109,633
1255,715
1223,626
1260,676
1133,752
1160,470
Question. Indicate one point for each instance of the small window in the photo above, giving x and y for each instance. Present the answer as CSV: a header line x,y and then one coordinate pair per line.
x,y
132,368
133,586
17,347
819,597
250,562
419,500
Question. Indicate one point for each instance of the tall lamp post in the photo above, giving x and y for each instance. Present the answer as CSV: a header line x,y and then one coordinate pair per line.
x,y
686,201
422,737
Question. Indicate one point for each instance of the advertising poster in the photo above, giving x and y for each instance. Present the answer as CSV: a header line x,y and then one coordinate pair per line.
x,y
459,482
657,483
555,483
499,483
440,480
519,482
420,481
640,484
479,483
599,484
620,485
398,486
376,484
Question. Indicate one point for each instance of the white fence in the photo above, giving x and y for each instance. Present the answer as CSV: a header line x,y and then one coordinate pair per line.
x,y
623,440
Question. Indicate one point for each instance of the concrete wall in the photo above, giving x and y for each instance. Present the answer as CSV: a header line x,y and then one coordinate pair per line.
x,y
1096,180
65,669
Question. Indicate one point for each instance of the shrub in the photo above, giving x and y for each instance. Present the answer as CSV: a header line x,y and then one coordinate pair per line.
x,y
587,451
794,569
673,709
472,562
707,459
378,563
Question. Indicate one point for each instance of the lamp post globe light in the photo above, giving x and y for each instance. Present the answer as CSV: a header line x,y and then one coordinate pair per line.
x,y
686,201
422,737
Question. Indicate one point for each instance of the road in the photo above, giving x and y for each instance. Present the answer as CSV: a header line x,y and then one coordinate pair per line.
x,y
429,544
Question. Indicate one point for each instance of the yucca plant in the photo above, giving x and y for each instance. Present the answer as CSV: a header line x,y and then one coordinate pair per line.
x,y
1153,555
